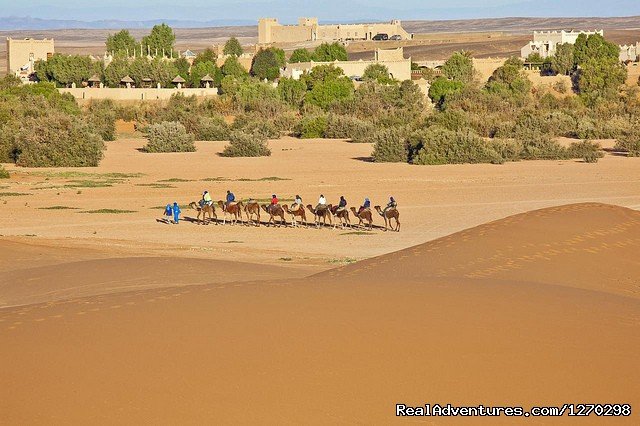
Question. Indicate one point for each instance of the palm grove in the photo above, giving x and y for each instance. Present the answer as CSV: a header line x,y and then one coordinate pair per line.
x,y
503,119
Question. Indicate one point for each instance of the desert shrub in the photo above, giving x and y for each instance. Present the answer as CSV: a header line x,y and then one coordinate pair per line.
x,y
390,146
347,127
212,129
450,119
245,144
629,143
169,136
539,146
442,146
101,116
286,122
312,127
3,173
589,151
252,123
57,141
561,123
507,149
585,129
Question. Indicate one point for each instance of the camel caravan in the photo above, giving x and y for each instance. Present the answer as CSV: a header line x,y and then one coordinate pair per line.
x,y
324,214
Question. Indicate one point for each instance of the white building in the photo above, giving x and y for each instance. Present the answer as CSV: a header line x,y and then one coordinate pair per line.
x,y
630,53
545,42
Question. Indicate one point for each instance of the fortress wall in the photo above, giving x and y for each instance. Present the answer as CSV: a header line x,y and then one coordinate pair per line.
x,y
290,34
123,94
400,70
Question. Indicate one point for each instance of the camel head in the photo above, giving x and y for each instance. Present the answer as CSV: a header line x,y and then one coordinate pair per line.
x,y
194,205
265,207
220,203
285,208
311,209
353,209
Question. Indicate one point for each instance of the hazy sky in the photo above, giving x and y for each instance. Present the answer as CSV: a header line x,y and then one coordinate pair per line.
x,y
334,10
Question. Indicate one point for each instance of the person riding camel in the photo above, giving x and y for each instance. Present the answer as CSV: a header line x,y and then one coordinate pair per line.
x,y
342,204
296,204
365,206
274,200
322,203
392,204
231,199
206,199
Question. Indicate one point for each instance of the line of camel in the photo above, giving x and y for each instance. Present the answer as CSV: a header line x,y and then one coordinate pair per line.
x,y
277,214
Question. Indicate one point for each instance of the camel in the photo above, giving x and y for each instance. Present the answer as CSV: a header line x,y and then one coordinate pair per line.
x,y
323,214
342,215
300,212
234,211
204,211
364,215
250,209
391,213
274,211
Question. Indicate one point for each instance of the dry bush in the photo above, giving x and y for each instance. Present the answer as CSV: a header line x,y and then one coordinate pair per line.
x,y
244,144
347,127
169,136
390,146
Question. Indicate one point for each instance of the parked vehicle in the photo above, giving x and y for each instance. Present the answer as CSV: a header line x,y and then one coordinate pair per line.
x,y
395,37
381,36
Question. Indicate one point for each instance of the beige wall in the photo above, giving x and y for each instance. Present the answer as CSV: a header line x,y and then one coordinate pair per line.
x,y
122,94
308,29
400,70
23,52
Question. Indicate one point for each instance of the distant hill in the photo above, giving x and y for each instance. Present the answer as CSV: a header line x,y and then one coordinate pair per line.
x,y
514,24
28,23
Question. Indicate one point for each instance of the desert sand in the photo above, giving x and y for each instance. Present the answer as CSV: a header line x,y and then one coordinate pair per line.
x,y
512,284
540,308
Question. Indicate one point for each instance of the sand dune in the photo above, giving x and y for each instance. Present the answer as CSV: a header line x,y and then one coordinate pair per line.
x,y
468,319
100,276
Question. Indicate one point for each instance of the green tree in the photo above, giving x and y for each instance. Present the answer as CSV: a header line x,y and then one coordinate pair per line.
x,y
68,69
201,69
300,55
207,55
377,72
233,68
459,67
328,92
292,91
162,71
601,79
116,70
330,52
161,39
563,61
596,47
121,42
510,77
266,64
535,58
321,73
182,65
139,69
441,88
232,47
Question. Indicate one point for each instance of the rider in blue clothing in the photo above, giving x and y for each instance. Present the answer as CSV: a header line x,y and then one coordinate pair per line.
x,y
230,199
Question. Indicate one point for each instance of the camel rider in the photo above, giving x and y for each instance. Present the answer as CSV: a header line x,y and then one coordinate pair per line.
x,y
342,204
322,203
296,204
230,199
365,206
274,200
206,199
392,204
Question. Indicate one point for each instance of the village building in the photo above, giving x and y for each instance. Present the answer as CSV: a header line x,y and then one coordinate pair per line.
x,y
399,67
24,53
630,53
545,42
308,29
